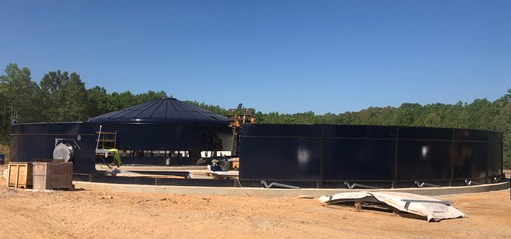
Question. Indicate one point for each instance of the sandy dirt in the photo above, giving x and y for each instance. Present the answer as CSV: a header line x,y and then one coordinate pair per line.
x,y
93,214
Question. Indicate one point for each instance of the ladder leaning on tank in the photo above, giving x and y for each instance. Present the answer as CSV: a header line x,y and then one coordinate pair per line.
x,y
106,144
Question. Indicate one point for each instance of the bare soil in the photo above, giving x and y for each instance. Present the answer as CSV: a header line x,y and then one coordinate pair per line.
x,y
93,214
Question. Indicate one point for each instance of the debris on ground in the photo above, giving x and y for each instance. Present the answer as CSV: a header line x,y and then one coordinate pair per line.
x,y
403,204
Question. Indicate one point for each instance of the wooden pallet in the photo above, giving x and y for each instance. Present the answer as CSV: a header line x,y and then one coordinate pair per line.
x,y
20,175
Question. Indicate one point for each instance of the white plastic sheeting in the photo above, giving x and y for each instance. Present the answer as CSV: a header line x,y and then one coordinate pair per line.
x,y
424,206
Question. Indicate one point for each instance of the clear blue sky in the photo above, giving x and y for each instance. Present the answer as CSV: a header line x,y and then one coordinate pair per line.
x,y
286,56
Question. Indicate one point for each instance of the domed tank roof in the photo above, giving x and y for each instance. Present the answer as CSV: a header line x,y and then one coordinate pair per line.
x,y
163,110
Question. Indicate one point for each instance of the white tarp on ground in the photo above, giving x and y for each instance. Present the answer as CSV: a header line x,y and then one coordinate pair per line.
x,y
428,207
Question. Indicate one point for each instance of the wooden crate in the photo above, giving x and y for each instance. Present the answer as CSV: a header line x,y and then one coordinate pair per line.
x,y
51,175
20,175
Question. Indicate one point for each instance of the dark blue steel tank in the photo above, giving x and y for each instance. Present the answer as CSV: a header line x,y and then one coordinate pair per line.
x,y
335,154
167,124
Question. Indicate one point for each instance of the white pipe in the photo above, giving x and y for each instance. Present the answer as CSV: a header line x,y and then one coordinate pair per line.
x,y
99,135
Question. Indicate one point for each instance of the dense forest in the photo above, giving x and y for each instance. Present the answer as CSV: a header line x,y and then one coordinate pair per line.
x,y
62,97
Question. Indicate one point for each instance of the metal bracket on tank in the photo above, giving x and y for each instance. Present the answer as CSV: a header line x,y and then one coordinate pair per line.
x,y
422,184
278,185
470,182
358,185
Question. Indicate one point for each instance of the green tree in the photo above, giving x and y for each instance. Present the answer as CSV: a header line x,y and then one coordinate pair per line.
x,y
407,114
503,124
76,99
20,93
64,97
456,116
117,101
480,114
100,102
433,120
5,117
97,102
150,95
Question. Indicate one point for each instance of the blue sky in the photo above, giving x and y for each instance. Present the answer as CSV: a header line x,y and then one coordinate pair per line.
x,y
286,56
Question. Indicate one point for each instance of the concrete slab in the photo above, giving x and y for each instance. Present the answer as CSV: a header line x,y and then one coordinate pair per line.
x,y
274,192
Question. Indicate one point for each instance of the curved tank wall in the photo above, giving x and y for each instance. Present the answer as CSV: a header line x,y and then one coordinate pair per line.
x,y
171,137
35,142
336,154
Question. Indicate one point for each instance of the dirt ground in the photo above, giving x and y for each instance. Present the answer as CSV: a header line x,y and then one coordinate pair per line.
x,y
93,214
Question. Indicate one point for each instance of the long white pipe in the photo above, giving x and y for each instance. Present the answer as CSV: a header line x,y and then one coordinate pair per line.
x,y
99,135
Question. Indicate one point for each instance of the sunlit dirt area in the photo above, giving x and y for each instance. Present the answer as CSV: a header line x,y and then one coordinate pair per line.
x,y
93,214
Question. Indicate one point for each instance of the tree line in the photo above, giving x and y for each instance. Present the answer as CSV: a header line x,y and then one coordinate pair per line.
x,y
58,97
480,114
63,97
